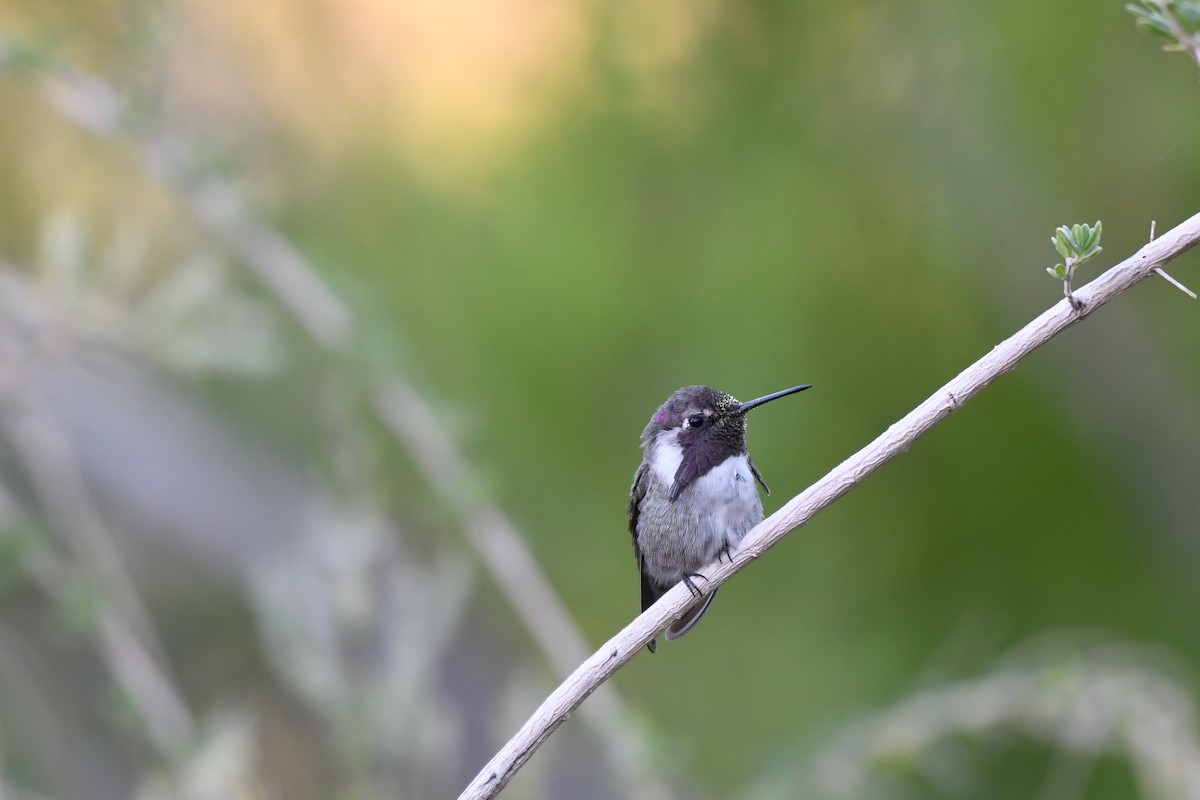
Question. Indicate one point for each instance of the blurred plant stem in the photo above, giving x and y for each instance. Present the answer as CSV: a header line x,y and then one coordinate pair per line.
x,y
218,206
122,628
116,618
1086,698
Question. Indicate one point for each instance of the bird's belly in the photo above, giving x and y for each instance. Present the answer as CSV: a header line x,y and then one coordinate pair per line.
x,y
714,512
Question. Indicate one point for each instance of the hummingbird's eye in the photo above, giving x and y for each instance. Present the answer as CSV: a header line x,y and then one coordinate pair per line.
x,y
695,420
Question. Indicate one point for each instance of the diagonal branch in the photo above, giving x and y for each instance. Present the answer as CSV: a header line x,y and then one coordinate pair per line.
x,y
620,649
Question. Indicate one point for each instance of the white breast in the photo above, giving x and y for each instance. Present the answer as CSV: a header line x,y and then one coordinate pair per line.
x,y
728,481
724,483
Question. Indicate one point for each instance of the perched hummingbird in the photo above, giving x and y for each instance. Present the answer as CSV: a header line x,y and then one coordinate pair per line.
x,y
693,496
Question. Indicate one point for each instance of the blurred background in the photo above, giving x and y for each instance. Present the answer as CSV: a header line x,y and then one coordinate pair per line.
x,y
328,329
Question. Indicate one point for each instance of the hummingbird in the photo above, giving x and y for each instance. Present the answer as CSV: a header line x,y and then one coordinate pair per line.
x,y
693,496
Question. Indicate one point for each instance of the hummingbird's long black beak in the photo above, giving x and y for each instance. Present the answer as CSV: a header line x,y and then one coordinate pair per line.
x,y
744,407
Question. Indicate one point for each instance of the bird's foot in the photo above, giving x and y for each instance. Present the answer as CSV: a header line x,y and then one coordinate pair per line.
x,y
692,587
724,552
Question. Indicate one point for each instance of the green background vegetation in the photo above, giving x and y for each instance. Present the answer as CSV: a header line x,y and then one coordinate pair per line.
x,y
550,234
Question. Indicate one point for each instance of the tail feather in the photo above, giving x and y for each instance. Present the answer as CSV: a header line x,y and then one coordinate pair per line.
x,y
684,624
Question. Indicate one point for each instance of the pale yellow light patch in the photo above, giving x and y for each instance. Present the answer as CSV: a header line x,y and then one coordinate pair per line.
x,y
452,86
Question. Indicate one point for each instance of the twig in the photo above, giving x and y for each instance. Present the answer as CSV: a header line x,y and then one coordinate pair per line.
x,y
1176,283
1075,302
1162,273
620,649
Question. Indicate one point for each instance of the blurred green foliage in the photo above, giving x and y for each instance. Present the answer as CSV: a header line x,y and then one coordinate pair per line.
x,y
845,194
1175,21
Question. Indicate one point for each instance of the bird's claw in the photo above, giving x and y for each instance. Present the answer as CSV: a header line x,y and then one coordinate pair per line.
x,y
692,587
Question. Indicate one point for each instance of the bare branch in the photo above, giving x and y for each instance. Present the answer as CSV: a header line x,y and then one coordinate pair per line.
x,y
620,649
1162,273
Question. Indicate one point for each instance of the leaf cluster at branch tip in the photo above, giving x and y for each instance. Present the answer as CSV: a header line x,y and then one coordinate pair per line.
x,y
1156,18
1076,244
